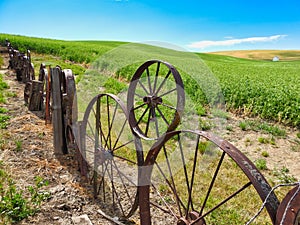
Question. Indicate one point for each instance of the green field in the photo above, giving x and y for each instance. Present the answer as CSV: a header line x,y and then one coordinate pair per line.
x,y
266,89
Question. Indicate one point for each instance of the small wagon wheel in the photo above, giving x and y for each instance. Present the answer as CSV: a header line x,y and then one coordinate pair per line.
x,y
194,177
155,99
107,144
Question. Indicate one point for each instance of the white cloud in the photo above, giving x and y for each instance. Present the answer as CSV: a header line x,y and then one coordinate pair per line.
x,y
230,42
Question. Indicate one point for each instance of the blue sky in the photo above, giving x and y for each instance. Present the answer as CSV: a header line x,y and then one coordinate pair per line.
x,y
193,25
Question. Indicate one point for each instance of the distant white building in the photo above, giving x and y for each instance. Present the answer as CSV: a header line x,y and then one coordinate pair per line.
x,y
275,59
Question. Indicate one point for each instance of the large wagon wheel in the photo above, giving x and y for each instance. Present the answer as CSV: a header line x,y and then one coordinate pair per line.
x,y
107,144
155,99
194,177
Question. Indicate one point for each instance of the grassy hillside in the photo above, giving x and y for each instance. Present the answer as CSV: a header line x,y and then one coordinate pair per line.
x,y
76,51
267,89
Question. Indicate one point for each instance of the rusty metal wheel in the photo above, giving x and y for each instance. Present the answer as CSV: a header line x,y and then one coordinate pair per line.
x,y
289,209
155,99
107,144
194,177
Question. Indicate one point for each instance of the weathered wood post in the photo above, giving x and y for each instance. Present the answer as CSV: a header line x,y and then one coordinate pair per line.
x,y
59,139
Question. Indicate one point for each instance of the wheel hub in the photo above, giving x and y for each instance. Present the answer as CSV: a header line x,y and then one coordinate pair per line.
x,y
191,219
152,101
103,155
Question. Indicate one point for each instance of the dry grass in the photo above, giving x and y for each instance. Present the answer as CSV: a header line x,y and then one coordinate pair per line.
x,y
284,55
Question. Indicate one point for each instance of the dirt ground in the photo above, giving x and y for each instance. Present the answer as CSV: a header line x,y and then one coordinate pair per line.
x,y
71,196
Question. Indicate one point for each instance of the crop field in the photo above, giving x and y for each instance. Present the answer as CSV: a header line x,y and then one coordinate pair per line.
x,y
266,89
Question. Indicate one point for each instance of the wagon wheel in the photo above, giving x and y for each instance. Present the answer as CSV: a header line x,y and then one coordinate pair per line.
x,y
289,209
69,106
30,67
47,78
108,147
198,178
60,146
30,72
155,99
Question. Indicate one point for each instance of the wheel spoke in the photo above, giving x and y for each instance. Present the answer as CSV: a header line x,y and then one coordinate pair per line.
x,y
212,182
142,85
168,92
149,81
162,116
173,189
148,121
163,82
108,123
166,204
123,175
222,203
156,122
156,76
171,175
119,135
139,106
123,145
140,119
190,200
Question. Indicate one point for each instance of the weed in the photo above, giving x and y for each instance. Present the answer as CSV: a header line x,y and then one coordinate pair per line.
x,y
295,148
3,121
3,110
220,113
263,140
229,128
261,164
262,126
284,176
265,154
205,124
298,135
14,206
19,144
272,141
248,142
243,126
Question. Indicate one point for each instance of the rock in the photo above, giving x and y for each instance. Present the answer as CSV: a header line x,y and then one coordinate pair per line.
x,y
56,189
81,220
63,207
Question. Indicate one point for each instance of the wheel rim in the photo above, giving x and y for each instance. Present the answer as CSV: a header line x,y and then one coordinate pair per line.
x,y
108,147
190,170
155,99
